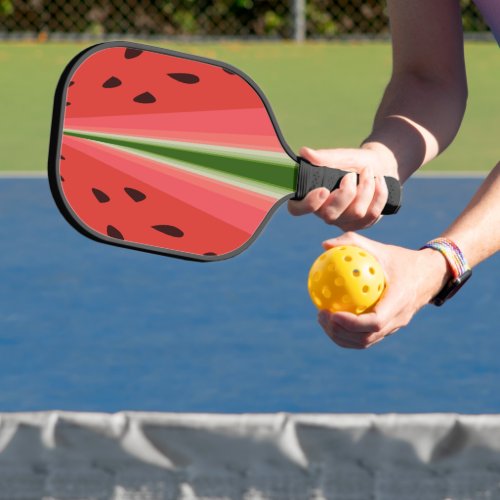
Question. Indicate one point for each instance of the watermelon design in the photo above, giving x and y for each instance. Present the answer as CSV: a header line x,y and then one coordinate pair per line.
x,y
169,153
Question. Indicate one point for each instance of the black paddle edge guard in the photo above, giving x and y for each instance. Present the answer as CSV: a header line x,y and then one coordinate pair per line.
x,y
311,177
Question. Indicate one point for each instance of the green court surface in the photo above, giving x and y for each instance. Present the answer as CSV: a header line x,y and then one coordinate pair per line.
x,y
323,94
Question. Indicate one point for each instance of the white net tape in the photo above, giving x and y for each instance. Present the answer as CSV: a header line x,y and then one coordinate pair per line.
x,y
160,456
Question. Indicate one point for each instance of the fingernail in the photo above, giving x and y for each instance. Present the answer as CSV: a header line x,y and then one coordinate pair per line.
x,y
347,178
323,194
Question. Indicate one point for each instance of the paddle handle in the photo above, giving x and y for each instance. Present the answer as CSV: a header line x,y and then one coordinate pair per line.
x,y
311,177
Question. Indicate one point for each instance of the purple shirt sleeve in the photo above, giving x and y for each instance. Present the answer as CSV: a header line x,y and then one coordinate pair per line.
x,y
490,9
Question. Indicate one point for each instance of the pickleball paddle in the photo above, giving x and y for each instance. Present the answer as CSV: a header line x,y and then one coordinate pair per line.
x,y
171,153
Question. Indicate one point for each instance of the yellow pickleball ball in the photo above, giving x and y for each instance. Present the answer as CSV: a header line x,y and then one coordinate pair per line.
x,y
346,278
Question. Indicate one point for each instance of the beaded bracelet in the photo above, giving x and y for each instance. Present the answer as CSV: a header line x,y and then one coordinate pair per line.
x,y
460,269
452,254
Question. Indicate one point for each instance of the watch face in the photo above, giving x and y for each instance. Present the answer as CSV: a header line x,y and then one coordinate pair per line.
x,y
451,288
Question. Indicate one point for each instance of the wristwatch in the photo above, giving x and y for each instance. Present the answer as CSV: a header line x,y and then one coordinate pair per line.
x,y
460,270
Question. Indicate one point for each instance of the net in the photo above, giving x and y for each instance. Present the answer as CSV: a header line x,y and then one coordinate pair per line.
x,y
159,456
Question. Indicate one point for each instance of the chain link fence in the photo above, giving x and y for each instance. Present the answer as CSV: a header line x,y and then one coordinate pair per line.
x,y
283,19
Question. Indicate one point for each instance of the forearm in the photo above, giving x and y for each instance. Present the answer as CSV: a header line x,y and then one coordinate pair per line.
x,y
416,120
424,103
477,230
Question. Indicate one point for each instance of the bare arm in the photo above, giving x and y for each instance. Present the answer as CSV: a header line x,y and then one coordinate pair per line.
x,y
425,100
477,230
418,117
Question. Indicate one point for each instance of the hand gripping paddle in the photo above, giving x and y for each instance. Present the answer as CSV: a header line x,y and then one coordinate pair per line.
x,y
171,153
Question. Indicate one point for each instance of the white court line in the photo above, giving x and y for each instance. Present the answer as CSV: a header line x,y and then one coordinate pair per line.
x,y
454,174
23,174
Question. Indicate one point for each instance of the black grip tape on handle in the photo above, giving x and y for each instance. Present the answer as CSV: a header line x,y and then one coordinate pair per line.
x,y
311,177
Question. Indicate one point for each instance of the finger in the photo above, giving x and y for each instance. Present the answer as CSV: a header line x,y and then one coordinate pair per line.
x,y
385,317
353,341
338,201
348,238
365,191
311,203
312,156
362,340
338,334
380,196
348,338
362,324
372,343
376,338
341,339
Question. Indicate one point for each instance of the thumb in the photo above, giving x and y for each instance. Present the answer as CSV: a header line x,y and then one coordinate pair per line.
x,y
349,238
352,159
311,155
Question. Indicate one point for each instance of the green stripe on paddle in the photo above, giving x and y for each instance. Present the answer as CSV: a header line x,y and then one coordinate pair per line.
x,y
263,170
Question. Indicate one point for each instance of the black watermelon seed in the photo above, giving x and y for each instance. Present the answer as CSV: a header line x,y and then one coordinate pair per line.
x,y
135,194
62,157
145,98
114,233
100,195
228,71
68,104
184,77
62,178
131,53
169,230
210,253
71,83
112,82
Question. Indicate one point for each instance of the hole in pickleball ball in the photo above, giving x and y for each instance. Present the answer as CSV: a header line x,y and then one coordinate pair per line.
x,y
339,281
366,289
372,270
379,287
356,273
317,276
362,254
348,258
336,306
317,300
327,293
346,299
330,268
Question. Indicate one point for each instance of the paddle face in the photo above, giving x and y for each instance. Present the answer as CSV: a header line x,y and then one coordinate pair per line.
x,y
164,152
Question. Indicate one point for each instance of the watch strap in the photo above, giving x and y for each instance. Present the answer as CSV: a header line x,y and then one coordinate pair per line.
x,y
457,263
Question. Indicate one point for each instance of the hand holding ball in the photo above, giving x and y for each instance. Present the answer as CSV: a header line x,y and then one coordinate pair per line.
x,y
346,278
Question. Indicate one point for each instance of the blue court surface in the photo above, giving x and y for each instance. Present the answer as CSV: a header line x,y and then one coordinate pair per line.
x,y
90,327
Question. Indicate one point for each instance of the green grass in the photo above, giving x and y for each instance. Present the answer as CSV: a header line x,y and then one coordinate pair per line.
x,y
323,94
